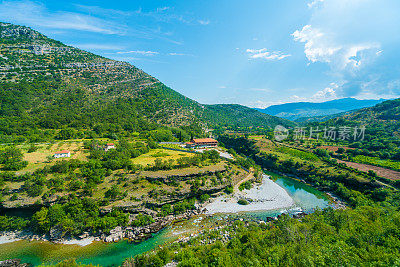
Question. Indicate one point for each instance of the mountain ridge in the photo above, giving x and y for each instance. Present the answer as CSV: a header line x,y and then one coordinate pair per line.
x,y
48,86
297,110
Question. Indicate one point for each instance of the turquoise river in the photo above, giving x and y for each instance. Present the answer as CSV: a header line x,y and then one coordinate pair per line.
x,y
103,254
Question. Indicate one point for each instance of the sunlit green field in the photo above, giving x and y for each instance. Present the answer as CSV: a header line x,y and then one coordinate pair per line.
x,y
164,154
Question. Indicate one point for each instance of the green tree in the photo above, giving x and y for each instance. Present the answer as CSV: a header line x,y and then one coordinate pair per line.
x,y
12,159
40,220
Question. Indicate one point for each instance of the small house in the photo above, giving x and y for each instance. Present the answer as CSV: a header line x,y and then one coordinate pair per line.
x,y
109,146
62,154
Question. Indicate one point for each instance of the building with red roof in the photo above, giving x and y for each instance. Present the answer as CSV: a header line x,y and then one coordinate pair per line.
x,y
202,143
62,154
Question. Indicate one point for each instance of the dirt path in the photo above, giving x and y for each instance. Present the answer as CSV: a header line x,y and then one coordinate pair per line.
x,y
248,177
382,172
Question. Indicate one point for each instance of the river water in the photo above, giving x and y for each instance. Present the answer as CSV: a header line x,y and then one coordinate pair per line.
x,y
305,197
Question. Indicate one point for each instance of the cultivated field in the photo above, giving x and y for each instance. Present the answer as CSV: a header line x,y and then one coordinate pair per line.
x,y
382,172
164,154
186,171
335,148
44,154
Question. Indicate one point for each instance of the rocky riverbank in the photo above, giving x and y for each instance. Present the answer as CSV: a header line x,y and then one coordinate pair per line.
x,y
13,263
144,232
134,234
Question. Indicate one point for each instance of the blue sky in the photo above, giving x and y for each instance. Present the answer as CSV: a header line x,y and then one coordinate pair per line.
x,y
254,53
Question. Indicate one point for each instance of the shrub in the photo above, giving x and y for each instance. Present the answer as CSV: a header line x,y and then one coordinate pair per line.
x,y
32,148
229,190
142,220
203,198
245,185
243,202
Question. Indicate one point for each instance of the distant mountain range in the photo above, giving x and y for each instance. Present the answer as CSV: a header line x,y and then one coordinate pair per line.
x,y
303,110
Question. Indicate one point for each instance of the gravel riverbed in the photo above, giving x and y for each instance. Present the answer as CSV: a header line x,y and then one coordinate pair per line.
x,y
266,196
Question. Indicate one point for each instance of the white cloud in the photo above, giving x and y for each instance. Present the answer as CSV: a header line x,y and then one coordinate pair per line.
x,y
36,14
297,98
355,39
139,52
322,46
253,51
264,104
178,54
98,46
351,38
151,53
108,12
326,94
329,93
314,3
204,22
357,54
161,9
168,14
264,90
315,47
86,18
263,53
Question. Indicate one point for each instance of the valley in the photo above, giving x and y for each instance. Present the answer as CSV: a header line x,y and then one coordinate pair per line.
x,y
101,164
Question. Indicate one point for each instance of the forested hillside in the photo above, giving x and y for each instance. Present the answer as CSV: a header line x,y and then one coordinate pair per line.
x,y
381,124
387,112
241,116
50,90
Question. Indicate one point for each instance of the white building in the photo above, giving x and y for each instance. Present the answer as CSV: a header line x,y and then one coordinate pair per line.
x,y
109,146
62,154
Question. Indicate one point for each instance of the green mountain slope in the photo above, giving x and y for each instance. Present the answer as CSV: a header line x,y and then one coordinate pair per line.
x,y
46,86
382,128
241,116
304,120
387,112
384,116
